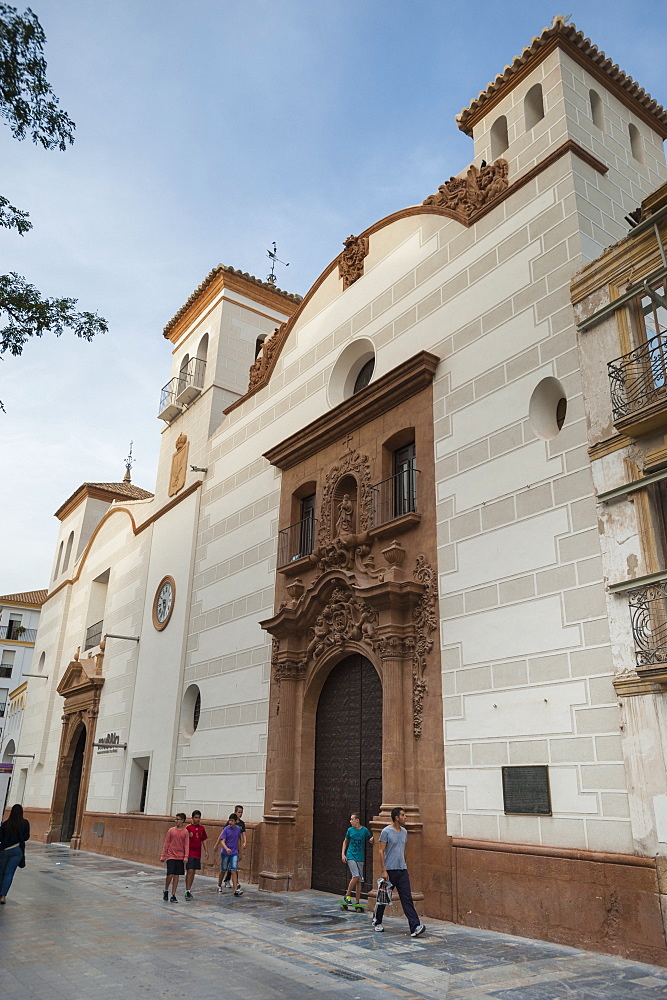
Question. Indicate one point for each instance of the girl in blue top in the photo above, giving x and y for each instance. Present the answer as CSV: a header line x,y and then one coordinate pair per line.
x,y
354,853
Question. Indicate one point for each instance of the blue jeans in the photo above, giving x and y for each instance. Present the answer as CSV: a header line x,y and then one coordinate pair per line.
x,y
9,860
400,880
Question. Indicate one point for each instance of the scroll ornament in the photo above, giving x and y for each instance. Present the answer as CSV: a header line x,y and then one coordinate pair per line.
x,y
467,195
263,364
426,622
344,619
351,261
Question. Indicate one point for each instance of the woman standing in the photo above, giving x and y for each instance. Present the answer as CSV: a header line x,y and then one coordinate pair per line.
x,y
13,834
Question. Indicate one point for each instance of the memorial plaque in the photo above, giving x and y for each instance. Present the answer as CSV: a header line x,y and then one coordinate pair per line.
x,y
526,790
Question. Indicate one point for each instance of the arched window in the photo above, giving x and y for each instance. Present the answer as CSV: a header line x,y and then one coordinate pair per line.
x,y
499,139
200,364
533,106
636,144
597,111
58,560
68,550
259,344
42,661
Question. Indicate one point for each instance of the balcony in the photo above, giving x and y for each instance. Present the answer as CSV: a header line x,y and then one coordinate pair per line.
x,y
16,633
182,390
638,385
93,635
296,543
394,503
190,382
648,613
168,406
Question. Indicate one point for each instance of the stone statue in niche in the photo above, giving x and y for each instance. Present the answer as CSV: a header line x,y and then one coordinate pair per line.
x,y
345,514
179,465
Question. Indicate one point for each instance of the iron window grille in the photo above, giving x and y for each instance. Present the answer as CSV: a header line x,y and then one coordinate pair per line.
x,y
648,613
639,378
296,541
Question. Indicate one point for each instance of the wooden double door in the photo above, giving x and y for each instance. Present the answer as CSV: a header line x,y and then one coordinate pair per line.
x,y
348,765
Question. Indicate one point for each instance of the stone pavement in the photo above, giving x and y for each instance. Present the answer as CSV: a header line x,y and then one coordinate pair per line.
x,y
80,925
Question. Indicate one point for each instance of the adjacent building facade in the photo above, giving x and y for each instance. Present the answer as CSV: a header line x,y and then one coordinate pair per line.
x,y
370,573
19,618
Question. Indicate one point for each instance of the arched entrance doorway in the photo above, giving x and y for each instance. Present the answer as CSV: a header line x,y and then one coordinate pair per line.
x,y
348,764
73,788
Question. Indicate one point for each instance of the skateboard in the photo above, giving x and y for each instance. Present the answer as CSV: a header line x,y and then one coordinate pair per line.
x,y
348,904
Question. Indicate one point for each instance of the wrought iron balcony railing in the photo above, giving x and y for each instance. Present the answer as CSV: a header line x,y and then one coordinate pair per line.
x,y
395,497
296,541
182,389
16,633
639,378
648,612
94,635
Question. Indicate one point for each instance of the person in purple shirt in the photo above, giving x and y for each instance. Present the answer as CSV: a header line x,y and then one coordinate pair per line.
x,y
230,839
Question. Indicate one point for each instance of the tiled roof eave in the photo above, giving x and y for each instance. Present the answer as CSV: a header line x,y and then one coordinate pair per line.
x,y
569,38
211,276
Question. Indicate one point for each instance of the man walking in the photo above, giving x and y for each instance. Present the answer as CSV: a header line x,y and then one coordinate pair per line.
x,y
230,840
394,869
239,812
175,853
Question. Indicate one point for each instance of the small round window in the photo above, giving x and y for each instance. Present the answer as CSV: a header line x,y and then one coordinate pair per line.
x,y
548,408
364,376
190,710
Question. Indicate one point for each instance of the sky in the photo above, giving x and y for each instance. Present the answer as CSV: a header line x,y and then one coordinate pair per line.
x,y
204,132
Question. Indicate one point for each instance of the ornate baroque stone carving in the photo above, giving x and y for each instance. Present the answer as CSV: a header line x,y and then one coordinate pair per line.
x,y
351,261
331,551
179,465
396,646
344,618
290,668
263,365
466,195
426,622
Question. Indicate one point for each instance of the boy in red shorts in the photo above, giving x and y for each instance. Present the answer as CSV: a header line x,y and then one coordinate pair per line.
x,y
175,852
198,838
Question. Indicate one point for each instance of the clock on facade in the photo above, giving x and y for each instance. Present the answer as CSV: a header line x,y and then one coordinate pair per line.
x,y
163,604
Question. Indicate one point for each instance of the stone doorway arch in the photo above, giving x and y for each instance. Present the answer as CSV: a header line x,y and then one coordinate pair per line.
x,y
81,687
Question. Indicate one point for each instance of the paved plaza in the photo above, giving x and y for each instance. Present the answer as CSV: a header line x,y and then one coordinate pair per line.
x,y
79,925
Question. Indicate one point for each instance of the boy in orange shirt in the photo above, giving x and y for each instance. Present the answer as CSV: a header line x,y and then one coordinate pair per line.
x,y
175,852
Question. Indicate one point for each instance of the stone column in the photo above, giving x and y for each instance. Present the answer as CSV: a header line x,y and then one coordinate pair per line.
x,y
279,822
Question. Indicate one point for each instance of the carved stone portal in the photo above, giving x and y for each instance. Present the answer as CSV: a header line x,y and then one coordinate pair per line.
x,y
179,465
466,195
351,261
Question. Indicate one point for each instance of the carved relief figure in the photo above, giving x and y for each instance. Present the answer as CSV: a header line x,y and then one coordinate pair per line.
x,y
466,195
351,261
179,465
345,512
344,618
426,622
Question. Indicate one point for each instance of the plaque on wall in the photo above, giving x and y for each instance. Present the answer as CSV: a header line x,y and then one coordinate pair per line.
x,y
526,790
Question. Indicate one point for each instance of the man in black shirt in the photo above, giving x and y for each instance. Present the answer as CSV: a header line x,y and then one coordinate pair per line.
x,y
239,812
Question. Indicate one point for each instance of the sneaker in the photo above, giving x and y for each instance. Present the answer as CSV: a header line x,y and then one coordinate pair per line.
x,y
239,892
188,894
165,896
219,888
378,928
419,929
173,900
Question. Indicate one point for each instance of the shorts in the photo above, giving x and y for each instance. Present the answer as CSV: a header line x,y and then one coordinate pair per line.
x,y
356,868
175,867
229,862
193,864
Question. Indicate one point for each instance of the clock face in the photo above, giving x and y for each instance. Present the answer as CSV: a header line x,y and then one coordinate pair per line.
x,y
163,605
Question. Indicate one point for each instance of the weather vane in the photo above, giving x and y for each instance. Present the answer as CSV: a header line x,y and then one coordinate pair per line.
x,y
275,259
129,462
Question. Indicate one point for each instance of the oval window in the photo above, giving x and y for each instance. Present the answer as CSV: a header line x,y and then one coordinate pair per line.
x,y
364,376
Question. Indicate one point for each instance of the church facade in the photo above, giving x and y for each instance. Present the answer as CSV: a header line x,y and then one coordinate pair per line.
x,y
371,573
